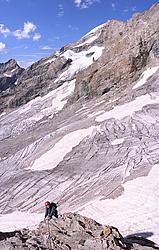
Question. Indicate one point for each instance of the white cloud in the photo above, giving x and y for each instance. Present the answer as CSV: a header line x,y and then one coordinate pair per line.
x,y
4,30
2,47
36,37
26,32
42,53
46,47
29,31
20,47
27,55
126,10
77,2
83,4
134,8
60,10
113,6
56,37
73,28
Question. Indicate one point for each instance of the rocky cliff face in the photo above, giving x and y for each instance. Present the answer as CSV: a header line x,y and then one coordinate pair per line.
x,y
72,232
9,73
85,125
127,49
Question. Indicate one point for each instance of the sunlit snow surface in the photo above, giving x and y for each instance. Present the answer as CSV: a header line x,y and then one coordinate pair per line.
x,y
95,29
57,98
129,108
80,61
8,75
117,141
54,156
147,73
50,60
18,220
89,40
135,211
2,114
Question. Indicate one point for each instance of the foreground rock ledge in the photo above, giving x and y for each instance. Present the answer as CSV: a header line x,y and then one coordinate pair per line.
x,y
72,232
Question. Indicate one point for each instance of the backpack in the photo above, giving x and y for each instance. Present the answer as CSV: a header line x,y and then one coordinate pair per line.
x,y
53,204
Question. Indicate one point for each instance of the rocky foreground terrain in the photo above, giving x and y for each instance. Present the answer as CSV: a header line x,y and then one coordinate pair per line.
x,y
81,128
73,232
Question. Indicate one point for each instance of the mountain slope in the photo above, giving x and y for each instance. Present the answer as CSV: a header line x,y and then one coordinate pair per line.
x,y
113,56
85,121
9,72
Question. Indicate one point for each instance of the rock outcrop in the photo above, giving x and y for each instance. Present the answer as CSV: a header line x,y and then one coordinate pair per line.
x,y
85,124
9,73
72,232
127,49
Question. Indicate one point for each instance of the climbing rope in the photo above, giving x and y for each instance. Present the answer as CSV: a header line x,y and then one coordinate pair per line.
x,y
51,243
49,237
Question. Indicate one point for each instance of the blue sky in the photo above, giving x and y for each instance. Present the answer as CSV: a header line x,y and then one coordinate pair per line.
x,y
32,29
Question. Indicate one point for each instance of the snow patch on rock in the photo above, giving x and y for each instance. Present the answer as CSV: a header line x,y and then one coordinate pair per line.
x,y
7,75
50,61
117,141
89,40
2,114
57,99
55,155
129,108
80,61
146,74
95,29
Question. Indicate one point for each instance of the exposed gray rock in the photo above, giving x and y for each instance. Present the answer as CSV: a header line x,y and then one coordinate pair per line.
x,y
9,73
95,166
128,48
73,232
36,80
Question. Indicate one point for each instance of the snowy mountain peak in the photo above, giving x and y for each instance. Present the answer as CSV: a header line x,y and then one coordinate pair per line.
x,y
9,72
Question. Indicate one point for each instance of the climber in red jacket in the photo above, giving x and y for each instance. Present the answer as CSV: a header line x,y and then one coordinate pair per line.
x,y
50,210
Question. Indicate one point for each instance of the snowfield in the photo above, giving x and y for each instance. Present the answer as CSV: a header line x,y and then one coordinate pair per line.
x,y
89,40
54,156
135,211
19,220
147,73
129,108
80,61
56,100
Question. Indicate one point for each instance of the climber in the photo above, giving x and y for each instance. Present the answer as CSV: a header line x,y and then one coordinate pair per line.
x,y
50,210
